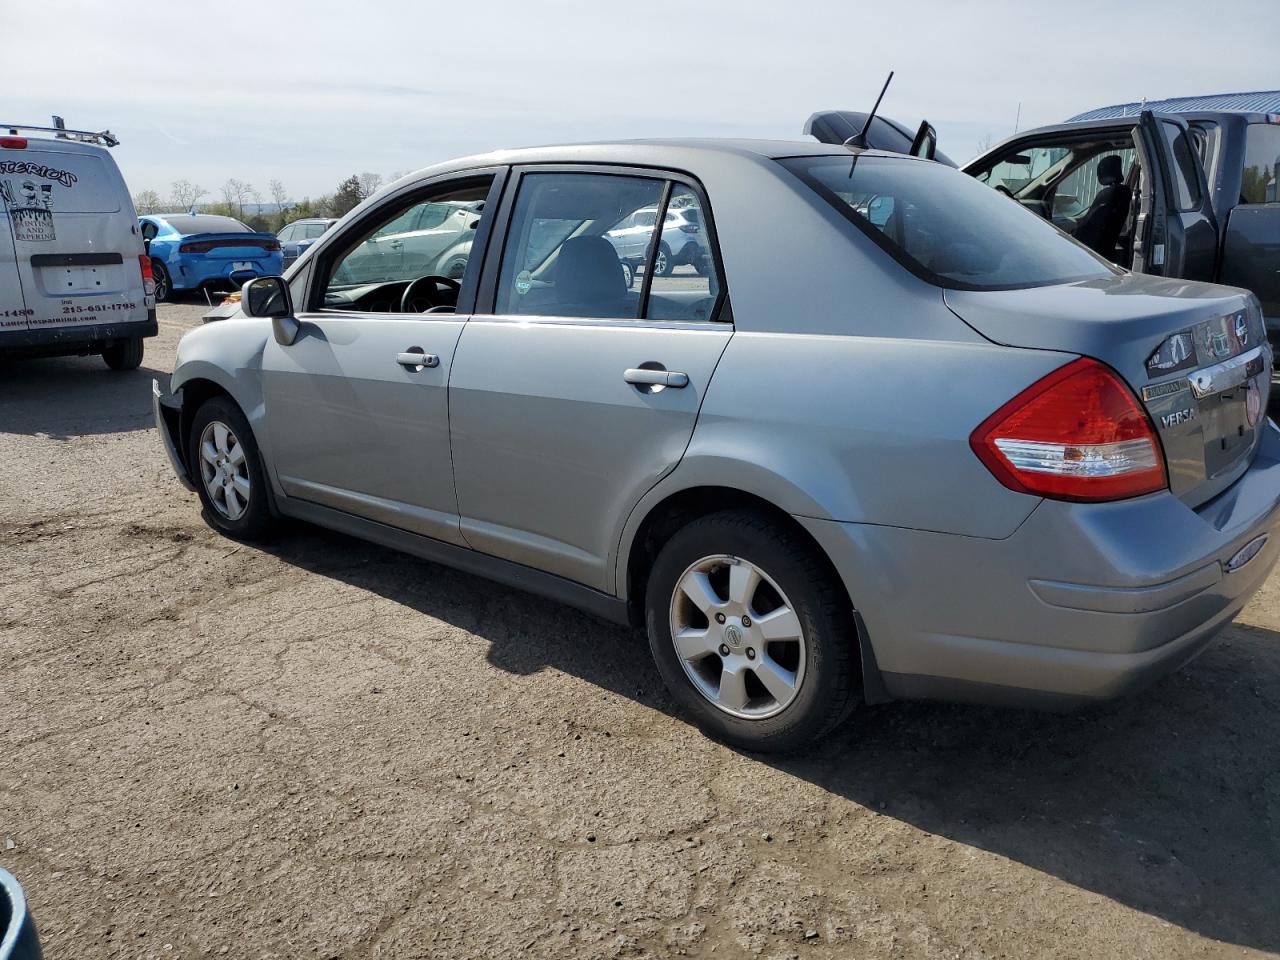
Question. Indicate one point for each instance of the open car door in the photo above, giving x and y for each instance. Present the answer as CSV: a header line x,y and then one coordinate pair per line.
x,y
1176,233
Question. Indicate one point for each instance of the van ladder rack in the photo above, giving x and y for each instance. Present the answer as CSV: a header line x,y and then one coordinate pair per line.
x,y
103,138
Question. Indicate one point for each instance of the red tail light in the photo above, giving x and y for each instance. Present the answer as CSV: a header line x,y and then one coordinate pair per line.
x,y
148,279
195,247
689,227
13,143
272,245
1077,434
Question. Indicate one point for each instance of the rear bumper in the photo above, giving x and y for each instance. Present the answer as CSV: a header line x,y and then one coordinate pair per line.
x,y
1083,602
192,272
79,339
167,410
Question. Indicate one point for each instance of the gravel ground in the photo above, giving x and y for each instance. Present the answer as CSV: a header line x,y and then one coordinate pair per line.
x,y
328,749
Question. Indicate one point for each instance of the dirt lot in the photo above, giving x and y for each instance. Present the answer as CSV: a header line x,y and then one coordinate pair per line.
x,y
328,749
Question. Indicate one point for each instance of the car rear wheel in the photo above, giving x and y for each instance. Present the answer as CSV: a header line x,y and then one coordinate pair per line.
x,y
663,265
751,633
164,286
124,354
228,471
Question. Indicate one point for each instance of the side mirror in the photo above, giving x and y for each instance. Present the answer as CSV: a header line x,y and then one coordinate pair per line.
x,y
269,297
925,143
1018,160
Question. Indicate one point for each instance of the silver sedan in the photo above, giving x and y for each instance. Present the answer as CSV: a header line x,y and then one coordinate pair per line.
x,y
897,437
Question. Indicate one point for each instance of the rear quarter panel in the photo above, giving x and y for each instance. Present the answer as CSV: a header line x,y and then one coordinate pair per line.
x,y
857,429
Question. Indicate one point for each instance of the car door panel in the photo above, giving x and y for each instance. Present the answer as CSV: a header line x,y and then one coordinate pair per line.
x,y
353,428
552,446
1170,241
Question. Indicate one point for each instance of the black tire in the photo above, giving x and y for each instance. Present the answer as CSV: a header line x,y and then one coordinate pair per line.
x,y
124,354
628,275
663,264
830,684
163,282
255,522
701,264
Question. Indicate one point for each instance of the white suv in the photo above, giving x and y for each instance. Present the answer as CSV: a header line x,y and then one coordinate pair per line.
x,y
683,240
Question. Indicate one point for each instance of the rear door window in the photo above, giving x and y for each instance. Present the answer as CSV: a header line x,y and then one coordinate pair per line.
x,y
575,244
1261,163
602,246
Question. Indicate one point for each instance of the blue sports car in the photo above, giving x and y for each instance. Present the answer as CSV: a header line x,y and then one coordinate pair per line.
x,y
192,251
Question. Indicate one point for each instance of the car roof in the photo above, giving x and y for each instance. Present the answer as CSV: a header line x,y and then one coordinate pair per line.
x,y
673,154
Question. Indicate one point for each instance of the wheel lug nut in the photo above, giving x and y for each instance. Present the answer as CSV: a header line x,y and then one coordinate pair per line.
x,y
719,618
724,649
751,653
746,621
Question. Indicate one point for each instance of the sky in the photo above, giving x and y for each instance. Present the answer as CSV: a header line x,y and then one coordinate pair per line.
x,y
308,93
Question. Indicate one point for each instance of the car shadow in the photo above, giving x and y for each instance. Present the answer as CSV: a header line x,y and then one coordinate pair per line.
x,y
64,397
1167,802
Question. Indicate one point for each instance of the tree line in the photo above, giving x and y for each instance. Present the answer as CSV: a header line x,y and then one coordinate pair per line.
x,y
237,195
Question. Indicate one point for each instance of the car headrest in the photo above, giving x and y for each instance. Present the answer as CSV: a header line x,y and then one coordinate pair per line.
x,y
588,269
1110,171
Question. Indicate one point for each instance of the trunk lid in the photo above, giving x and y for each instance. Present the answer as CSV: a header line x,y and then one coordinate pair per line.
x,y
1196,355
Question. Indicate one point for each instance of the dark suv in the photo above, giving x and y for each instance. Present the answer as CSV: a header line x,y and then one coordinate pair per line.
x,y
1179,188
1182,188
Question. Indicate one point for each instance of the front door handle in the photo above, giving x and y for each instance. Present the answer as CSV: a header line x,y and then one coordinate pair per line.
x,y
656,378
415,359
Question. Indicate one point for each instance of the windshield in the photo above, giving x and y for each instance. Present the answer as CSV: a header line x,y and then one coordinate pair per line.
x,y
946,227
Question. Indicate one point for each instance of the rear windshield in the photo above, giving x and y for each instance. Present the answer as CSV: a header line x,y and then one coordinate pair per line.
x,y
205,223
57,182
946,227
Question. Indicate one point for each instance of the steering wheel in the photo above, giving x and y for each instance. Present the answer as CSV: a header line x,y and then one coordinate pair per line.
x,y
424,294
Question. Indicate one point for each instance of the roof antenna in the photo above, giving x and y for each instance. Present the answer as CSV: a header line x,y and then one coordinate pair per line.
x,y
859,139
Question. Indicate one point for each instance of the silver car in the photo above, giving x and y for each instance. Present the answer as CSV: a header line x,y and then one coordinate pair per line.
x,y
901,439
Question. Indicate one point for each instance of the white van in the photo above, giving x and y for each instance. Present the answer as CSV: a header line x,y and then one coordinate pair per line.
x,y
73,276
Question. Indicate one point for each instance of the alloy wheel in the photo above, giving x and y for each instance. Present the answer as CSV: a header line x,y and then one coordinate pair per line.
x,y
224,470
737,636
160,277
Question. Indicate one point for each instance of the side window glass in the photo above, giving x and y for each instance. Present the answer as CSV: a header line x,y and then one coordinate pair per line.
x,y
684,286
1075,193
314,230
372,271
1186,183
1261,164
1016,170
573,249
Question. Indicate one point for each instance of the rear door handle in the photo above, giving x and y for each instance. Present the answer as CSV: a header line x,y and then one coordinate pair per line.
x,y
656,378
415,359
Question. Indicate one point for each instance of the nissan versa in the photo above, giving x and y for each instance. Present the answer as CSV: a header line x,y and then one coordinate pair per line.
x,y
899,437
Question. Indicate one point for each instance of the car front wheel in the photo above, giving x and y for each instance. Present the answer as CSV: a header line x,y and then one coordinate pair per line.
x,y
228,471
751,632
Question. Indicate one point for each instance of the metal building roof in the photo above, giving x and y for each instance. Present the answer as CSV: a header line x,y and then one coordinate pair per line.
x,y
1261,101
